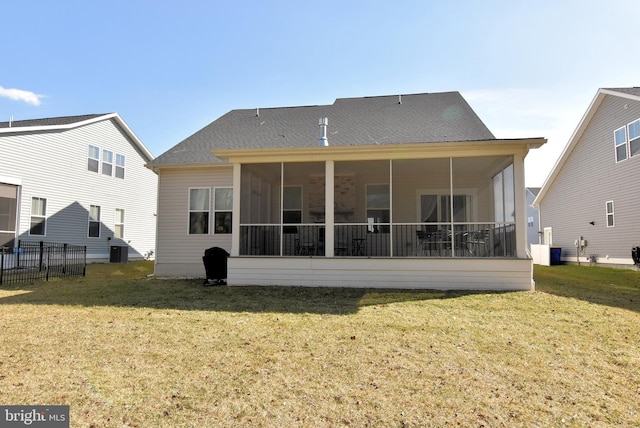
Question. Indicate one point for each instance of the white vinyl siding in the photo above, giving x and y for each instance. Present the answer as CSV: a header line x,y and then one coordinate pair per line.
x,y
70,187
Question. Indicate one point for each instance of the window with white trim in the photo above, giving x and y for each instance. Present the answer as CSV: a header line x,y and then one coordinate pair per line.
x,y
620,140
634,138
610,215
378,208
120,166
222,209
94,221
93,158
199,209
119,223
107,162
38,226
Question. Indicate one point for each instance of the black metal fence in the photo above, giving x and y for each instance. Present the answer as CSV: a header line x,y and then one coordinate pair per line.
x,y
36,261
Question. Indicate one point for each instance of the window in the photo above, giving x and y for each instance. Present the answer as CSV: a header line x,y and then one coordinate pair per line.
x,y
620,139
38,217
504,205
107,162
119,223
222,209
94,221
610,219
634,138
378,202
120,166
93,158
292,204
199,207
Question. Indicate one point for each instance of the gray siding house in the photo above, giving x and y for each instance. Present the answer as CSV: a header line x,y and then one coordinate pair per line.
x,y
409,191
533,218
78,180
590,203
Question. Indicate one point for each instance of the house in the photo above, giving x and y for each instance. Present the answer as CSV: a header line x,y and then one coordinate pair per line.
x,y
589,203
406,191
533,218
77,180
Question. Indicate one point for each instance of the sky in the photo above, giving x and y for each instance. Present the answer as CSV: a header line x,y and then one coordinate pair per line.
x,y
168,68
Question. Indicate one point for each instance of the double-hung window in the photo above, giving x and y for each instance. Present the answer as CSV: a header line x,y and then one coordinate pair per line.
x,y
610,219
222,209
119,223
94,221
620,140
38,225
119,166
634,138
378,208
93,158
199,209
107,162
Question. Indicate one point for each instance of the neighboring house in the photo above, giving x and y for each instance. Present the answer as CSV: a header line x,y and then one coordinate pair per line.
x,y
77,180
533,219
409,191
590,204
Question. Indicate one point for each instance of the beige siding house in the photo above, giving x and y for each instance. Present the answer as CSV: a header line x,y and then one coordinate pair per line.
x,y
408,191
590,202
77,180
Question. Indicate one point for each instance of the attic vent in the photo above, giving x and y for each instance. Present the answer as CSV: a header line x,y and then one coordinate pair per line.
x,y
323,123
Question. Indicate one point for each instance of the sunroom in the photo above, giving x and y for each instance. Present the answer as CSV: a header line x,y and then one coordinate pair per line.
x,y
443,215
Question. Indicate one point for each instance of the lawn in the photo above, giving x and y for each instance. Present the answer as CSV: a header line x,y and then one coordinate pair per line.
x,y
125,350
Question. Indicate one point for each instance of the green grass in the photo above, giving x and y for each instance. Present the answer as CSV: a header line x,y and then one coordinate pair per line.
x,y
125,350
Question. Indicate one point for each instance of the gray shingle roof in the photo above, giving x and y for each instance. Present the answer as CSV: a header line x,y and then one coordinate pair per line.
x,y
50,121
419,118
631,91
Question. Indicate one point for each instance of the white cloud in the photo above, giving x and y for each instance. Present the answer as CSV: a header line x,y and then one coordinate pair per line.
x,y
21,95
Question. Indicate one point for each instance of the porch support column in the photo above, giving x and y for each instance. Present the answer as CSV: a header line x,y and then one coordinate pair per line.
x,y
235,215
520,205
329,217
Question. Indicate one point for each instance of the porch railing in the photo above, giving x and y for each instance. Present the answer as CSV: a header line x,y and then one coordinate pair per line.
x,y
382,240
34,261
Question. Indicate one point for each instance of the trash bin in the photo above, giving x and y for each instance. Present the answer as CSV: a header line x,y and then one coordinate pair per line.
x,y
555,255
215,266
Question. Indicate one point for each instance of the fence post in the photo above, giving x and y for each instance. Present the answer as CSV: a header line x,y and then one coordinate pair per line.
x,y
64,259
84,265
40,257
1,264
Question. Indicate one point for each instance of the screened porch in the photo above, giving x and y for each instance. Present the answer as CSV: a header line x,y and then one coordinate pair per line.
x,y
454,207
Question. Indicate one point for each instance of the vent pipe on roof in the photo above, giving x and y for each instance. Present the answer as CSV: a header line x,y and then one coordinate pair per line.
x,y
257,111
10,121
400,99
323,142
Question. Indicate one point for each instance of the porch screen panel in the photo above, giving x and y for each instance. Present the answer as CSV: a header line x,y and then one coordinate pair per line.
x,y
303,209
362,208
419,194
260,186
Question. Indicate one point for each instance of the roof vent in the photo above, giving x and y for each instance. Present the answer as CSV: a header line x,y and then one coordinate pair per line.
x,y
323,142
400,99
10,121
